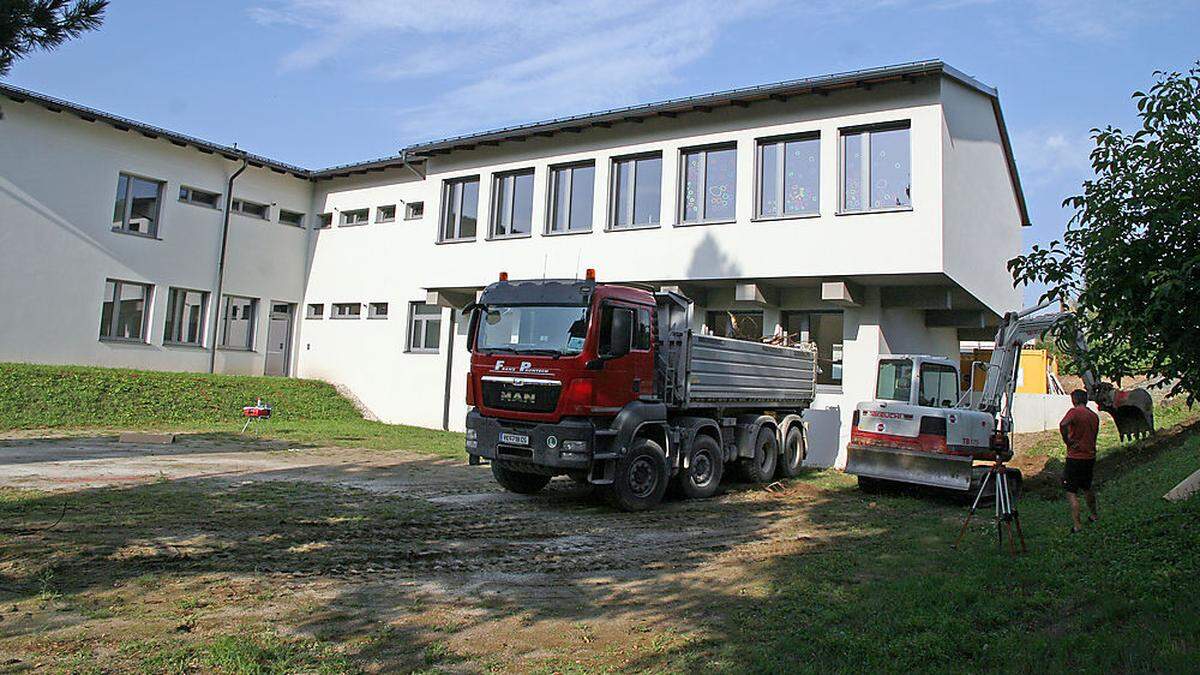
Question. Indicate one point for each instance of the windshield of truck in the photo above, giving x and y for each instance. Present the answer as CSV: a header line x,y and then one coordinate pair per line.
x,y
895,381
532,330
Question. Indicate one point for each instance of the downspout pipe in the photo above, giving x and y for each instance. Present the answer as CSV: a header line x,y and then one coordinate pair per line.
x,y
216,315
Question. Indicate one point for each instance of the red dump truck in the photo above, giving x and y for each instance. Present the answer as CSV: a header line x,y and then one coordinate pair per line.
x,y
608,384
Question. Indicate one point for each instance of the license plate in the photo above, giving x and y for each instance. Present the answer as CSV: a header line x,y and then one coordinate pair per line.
x,y
515,439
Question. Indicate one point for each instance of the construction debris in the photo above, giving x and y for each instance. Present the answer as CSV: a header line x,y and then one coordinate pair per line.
x,y
1186,488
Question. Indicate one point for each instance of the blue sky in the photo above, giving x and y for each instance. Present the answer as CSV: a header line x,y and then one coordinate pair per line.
x,y
324,82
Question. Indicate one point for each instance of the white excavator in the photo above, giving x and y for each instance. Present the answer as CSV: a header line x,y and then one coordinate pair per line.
x,y
921,430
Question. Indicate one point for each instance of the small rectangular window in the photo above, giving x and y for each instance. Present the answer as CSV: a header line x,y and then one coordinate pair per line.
x,y
355,217
424,327
252,209
414,210
460,209
939,386
789,177
191,195
740,324
377,310
636,191
512,204
571,192
876,169
315,310
291,218
324,220
823,329
641,330
385,214
237,322
709,185
895,380
347,310
137,205
124,311
185,317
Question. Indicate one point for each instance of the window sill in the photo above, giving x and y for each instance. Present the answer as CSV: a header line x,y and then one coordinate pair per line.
x,y
699,223
795,216
566,233
456,241
201,205
633,228
353,224
247,350
420,351
414,218
344,318
900,209
313,318
298,227
252,216
184,345
125,341
502,237
143,235
382,222
376,318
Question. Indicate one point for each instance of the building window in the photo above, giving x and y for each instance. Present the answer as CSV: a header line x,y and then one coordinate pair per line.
x,y
315,310
572,188
355,217
740,324
324,220
123,314
709,185
512,204
824,329
385,214
460,209
414,210
424,327
185,317
876,169
636,191
377,310
137,207
347,310
789,177
252,209
191,195
291,218
237,322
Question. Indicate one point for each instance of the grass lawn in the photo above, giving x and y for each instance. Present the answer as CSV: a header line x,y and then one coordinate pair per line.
x,y
310,412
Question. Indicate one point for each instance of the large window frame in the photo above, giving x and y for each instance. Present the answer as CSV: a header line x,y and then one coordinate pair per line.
x,y
832,364
504,204
199,197
354,217
865,170
226,320
345,310
176,325
780,176
420,315
291,218
123,205
111,325
453,200
730,317
565,174
702,152
630,210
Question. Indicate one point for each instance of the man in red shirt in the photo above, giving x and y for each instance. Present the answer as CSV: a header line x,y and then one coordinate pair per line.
x,y
1079,427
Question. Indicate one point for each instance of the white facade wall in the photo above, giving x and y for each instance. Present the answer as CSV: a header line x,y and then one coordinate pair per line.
x,y
58,178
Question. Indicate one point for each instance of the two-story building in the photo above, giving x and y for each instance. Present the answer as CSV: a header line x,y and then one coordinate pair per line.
x,y
869,212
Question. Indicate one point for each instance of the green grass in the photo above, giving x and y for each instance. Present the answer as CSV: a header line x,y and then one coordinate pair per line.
x,y
262,653
310,412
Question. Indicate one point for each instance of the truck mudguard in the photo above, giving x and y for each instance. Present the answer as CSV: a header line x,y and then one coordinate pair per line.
x,y
688,428
747,432
633,417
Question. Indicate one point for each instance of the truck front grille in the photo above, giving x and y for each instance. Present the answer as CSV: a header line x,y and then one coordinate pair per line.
x,y
526,395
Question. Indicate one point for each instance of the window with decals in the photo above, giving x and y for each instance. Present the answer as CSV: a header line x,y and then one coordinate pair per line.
x,y
709,184
876,169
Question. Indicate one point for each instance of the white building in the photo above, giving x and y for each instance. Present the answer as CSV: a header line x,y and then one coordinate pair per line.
x,y
871,212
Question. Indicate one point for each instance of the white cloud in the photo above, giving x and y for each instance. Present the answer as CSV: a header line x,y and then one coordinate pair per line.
x,y
1046,155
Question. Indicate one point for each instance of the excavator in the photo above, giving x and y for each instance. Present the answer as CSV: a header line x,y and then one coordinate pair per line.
x,y
921,430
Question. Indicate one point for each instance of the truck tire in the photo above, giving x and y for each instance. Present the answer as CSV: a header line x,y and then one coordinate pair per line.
x,y
641,477
518,481
761,467
792,455
702,477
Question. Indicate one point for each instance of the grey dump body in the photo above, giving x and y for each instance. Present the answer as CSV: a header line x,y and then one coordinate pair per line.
x,y
706,371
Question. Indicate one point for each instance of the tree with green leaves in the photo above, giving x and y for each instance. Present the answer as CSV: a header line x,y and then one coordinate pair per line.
x,y
29,25
1129,261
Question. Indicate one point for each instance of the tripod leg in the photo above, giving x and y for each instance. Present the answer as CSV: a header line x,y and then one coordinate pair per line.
x,y
974,505
248,421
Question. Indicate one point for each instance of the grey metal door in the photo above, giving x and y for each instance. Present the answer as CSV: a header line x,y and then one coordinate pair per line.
x,y
279,339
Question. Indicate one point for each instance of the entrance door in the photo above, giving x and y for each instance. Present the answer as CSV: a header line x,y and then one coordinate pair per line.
x,y
279,339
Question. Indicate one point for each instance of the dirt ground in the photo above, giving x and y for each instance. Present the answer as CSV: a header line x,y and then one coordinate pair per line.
x,y
401,561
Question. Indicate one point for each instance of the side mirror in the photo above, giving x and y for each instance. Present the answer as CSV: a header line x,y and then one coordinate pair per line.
x,y
622,333
470,311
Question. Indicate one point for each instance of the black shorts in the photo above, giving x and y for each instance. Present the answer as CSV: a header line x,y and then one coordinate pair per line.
x,y
1077,474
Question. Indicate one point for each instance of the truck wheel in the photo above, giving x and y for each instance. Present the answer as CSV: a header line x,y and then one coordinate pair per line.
x,y
702,478
518,481
793,454
761,467
641,477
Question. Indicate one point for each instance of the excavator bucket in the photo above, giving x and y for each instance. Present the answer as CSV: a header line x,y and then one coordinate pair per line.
x,y
1133,412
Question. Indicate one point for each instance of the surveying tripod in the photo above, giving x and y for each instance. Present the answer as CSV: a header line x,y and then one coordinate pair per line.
x,y
1006,512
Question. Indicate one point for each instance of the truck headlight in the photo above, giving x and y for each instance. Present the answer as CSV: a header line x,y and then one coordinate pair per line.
x,y
471,435
574,446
